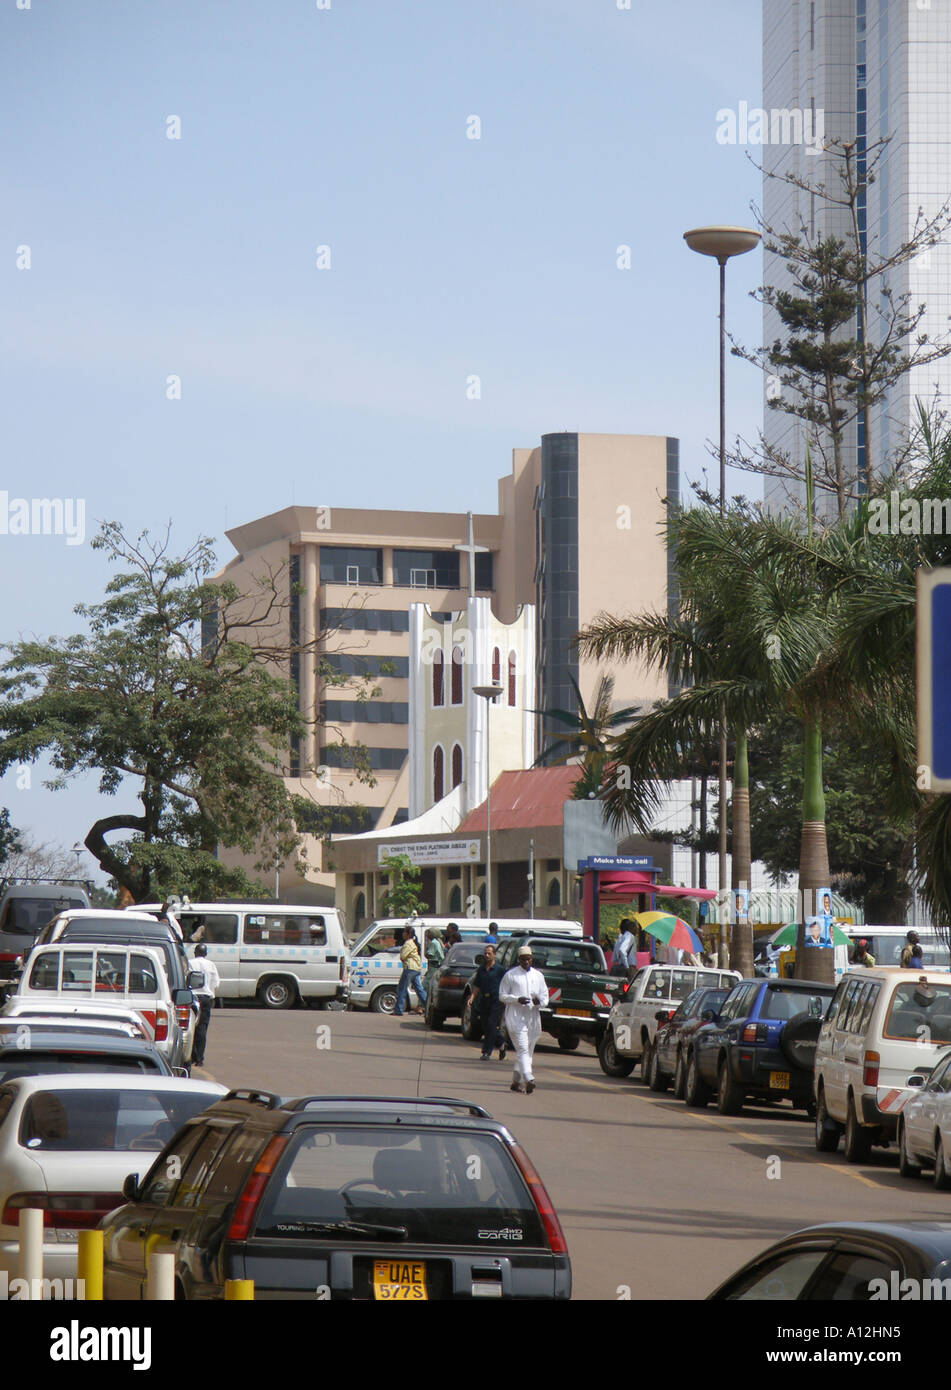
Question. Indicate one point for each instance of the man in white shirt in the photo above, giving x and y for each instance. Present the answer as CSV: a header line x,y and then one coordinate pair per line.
x,y
523,993
205,995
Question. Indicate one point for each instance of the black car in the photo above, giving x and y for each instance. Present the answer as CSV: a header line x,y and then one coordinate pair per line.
x,y
857,1262
28,1047
761,1043
668,1061
342,1198
448,988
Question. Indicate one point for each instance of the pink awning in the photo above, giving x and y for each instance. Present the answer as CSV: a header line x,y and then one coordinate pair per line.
x,y
622,885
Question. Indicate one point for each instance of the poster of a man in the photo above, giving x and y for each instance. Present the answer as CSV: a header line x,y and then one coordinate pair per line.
x,y
818,933
741,904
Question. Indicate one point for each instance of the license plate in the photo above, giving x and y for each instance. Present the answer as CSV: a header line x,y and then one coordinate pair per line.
x,y
779,1081
67,1237
573,1013
400,1279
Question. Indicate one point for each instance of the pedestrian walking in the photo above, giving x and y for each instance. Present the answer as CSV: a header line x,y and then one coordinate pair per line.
x,y
911,940
205,994
435,955
523,993
412,964
485,997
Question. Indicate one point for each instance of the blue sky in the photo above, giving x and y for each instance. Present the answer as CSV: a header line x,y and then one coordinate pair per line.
x,y
450,257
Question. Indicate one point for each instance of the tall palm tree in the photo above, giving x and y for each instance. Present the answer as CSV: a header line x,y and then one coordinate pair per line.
x,y
586,735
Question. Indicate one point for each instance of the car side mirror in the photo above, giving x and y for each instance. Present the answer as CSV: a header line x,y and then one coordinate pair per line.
x,y
480,960
130,1188
915,1080
708,1016
182,996
195,979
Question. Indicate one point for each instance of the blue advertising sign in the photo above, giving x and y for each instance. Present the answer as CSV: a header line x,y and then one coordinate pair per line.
x,y
641,863
934,679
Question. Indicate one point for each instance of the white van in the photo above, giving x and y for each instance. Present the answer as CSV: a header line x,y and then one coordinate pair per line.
x,y
883,1026
276,952
885,945
375,966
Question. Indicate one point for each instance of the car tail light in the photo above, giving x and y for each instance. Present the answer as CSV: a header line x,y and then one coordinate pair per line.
x,y
453,981
161,1024
870,1073
625,987
68,1210
749,1033
183,1013
549,1219
246,1204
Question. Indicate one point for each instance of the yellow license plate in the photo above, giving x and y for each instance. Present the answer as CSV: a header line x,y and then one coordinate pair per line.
x,y
779,1080
400,1279
573,1013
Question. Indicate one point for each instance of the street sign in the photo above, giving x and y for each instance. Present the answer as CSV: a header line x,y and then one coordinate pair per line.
x,y
934,679
616,861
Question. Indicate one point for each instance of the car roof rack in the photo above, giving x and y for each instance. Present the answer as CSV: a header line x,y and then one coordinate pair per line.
x,y
476,1111
266,1098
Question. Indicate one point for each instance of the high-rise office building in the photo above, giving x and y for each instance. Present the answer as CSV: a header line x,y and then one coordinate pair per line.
x,y
860,71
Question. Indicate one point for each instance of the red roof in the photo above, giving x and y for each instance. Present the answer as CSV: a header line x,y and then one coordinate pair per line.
x,y
525,800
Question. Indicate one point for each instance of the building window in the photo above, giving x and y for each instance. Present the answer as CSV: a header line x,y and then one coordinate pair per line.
x,y
511,678
360,907
438,773
456,764
455,899
457,675
345,564
554,893
454,871
427,569
496,666
483,570
439,693
348,664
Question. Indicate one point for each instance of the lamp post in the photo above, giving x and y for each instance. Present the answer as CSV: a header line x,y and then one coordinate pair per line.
x,y
489,693
722,243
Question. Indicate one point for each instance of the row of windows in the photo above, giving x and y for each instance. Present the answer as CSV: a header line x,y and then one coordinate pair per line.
x,y
365,711
455,681
412,569
350,665
381,759
365,619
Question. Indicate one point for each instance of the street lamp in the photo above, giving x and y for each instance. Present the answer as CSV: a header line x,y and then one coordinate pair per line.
x,y
722,242
489,693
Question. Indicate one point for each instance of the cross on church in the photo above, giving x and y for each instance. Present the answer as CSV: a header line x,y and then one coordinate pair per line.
x,y
471,549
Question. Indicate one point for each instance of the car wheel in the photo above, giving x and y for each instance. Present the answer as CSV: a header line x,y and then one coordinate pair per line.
x,y
657,1080
383,1000
729,1095
647,1053
907,1166
680,1075
828,1133
858,1143
278,994
942,1178
471,1022
696,1093
612,1063
568,1042
435,1018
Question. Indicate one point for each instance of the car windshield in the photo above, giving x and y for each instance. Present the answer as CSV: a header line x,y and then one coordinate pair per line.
x,y
920,1013
782,1003
106,1121
27,916
464,954
571,956
441,1187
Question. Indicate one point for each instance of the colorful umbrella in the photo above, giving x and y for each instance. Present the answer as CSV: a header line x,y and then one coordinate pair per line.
x,y
786,936
673,931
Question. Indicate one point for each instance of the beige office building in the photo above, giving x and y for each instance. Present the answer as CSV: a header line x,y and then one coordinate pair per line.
x,y
579,530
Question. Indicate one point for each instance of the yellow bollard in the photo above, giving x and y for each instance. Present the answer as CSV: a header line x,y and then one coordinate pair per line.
x,y
240,1289
89,1261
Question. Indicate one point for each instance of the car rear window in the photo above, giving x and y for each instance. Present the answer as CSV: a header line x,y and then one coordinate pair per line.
x,y
912,1015
106,1121
441,1187
27,916
779,1003
34,1063
568,957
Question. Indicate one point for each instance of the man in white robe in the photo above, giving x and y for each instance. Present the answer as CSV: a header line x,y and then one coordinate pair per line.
x,y
523,993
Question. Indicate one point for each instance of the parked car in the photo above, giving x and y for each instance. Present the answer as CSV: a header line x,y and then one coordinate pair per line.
x,y
278,953
67,1014
129,976
449,987
855,1262
68,1142
345,1198
632,1022
375,959
884,1025
761,1044
668,1059
38,1050
580,990
25,909
924,1126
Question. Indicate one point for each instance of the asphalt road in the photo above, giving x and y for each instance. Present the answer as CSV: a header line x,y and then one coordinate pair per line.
x,y
657,1201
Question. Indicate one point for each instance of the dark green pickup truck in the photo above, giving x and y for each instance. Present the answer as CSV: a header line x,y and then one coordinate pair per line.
x,y
580,990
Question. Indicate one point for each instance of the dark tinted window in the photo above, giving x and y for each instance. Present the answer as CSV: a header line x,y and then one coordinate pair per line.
x,y
27,916
167,1170
106,1121
778,1280
350,564
446,1187
568,957
847,1276
779,1003
214,928
426,568
46,1063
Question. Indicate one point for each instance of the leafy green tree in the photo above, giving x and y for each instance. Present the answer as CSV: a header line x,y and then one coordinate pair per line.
x,y
9,836
586,736
177,695
401,898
